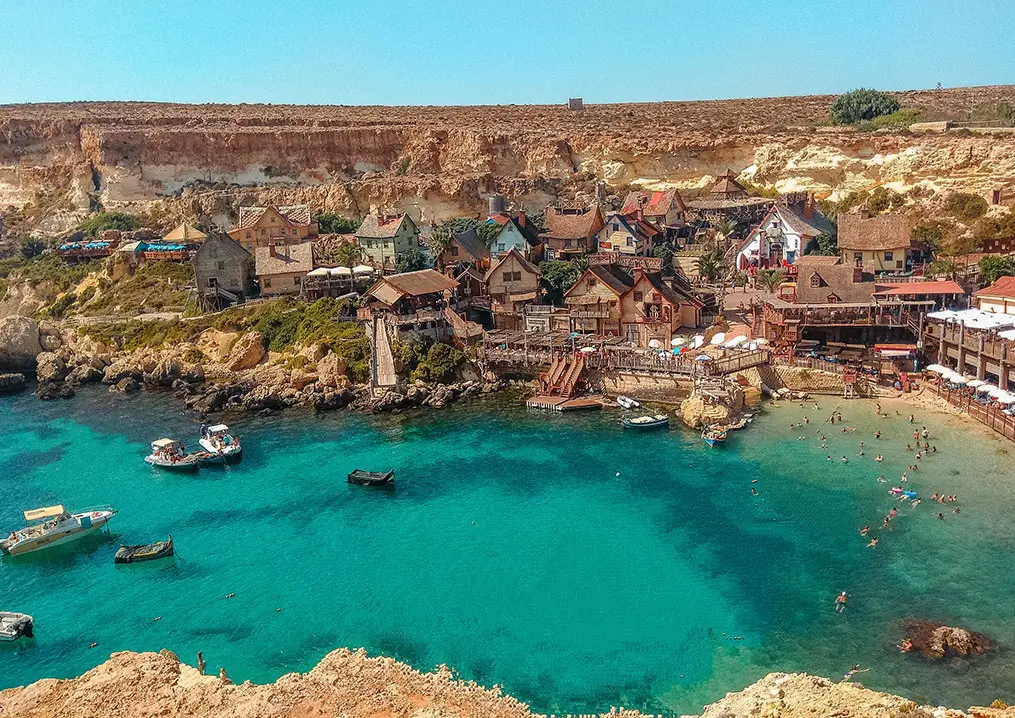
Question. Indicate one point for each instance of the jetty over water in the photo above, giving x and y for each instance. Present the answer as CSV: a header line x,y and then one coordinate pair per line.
x,y
545,349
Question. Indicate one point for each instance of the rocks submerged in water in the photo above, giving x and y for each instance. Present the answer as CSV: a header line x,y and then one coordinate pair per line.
x,y
11,383
936,640
49,390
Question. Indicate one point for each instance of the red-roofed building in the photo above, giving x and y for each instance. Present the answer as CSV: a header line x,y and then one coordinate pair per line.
x,y
664,209
998,297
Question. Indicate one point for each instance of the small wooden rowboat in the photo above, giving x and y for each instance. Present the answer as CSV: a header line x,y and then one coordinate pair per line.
x,y
372,478
147,552
647,422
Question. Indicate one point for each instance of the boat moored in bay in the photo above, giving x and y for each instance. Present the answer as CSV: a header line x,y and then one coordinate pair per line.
x,y
372,478
55,528
713,435
16,625
145,552
171,454
647,422
219,442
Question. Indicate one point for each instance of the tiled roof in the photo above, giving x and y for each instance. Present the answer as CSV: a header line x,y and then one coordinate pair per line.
x,y
295,214
637,227
877,234
810,261
894,289
224,243
528,231
793,216
571,226
1003,287
472,245
672,295
377,227
522,262
652,204
727,185
835,279
288,258
423,281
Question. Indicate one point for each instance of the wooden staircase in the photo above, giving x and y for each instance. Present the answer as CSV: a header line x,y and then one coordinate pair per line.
x,y
563,375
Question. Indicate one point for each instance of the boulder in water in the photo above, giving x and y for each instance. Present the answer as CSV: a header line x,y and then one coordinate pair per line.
x,y
10,383
936,640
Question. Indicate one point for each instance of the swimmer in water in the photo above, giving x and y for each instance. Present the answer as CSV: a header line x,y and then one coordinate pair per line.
x,y
879,458
873,543
864,530
840,602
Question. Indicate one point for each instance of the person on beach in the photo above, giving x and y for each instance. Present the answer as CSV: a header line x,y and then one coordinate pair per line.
x,y
840,602
877,408
912,418
924,433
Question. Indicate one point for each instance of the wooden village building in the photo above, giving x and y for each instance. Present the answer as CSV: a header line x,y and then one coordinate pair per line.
x,y
727,199
412,303
783,234
223,272
384,236
282,268
465,249
664,209
516,232
638,306
261,226
512,284
629,235
571,230
878,243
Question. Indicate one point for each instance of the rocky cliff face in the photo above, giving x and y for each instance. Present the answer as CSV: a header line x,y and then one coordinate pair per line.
x,y
439,161
351,684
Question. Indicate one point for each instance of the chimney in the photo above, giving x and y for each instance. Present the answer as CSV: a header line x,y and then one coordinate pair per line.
x,y
809,206
857,274
522,219
271,250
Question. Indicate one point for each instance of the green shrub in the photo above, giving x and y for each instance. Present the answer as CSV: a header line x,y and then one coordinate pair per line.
x,y
862,104
194,356
50,268
31,247
102,221
993,267
439,364
998,113
331,223
59,307
997,227
87,294
966,206
899,118
411,260
882,200
930,232
998,703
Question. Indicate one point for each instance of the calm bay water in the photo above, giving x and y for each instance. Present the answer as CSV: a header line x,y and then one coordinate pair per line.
x,y
578,565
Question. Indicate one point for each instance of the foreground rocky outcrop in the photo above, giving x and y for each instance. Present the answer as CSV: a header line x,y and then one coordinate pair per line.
x,y
353,685
936,640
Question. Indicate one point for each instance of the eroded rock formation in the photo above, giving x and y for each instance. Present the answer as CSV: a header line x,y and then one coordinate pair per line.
x,y
206,160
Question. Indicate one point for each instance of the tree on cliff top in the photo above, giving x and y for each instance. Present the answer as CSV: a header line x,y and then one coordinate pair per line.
x,y
992,267
862,105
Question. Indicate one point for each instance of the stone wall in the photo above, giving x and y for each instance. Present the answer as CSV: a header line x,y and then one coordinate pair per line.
x,y
638,385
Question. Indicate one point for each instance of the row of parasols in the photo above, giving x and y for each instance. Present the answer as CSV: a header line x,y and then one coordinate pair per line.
x,y
719,339
979,386
360,271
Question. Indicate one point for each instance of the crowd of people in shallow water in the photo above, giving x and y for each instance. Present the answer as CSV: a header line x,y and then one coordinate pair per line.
x,y
904,493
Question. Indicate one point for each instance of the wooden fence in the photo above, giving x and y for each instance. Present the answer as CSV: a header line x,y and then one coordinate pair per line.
x,y
990,416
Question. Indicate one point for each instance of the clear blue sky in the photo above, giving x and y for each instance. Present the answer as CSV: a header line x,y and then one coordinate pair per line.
x,y
516,51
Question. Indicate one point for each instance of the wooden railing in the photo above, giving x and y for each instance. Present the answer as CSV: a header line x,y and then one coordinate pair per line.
x,y
990,416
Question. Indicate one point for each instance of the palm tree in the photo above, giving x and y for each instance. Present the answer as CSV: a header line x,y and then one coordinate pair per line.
x,y
724,227
710,265
770,279
944,267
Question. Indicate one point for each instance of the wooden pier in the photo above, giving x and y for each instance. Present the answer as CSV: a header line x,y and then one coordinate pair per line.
x,y
562,403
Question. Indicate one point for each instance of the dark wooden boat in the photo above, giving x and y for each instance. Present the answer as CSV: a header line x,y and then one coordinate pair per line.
x,y
147,552
658,421
372,478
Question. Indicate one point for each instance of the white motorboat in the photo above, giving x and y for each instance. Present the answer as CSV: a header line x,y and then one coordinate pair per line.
x,y
627,402
54,527
15,625
171,454
219,442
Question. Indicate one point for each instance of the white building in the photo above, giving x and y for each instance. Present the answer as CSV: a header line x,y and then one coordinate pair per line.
x,y
783,235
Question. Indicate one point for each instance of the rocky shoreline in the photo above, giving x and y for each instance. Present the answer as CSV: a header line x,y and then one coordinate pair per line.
x,y
353,685
236,373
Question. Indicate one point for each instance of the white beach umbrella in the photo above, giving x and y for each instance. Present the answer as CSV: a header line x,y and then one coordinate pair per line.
x,y
698,340
1006,399
754,345
718,338
984,388
587,350
958,379
936,368
678,341
761,341
654,343
975,383
995,392
735,341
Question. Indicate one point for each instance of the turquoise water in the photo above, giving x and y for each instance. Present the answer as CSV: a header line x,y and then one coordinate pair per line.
x,y
576,564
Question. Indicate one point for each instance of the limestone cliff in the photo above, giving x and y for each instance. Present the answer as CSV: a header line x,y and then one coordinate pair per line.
x,y
176,160
350,684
